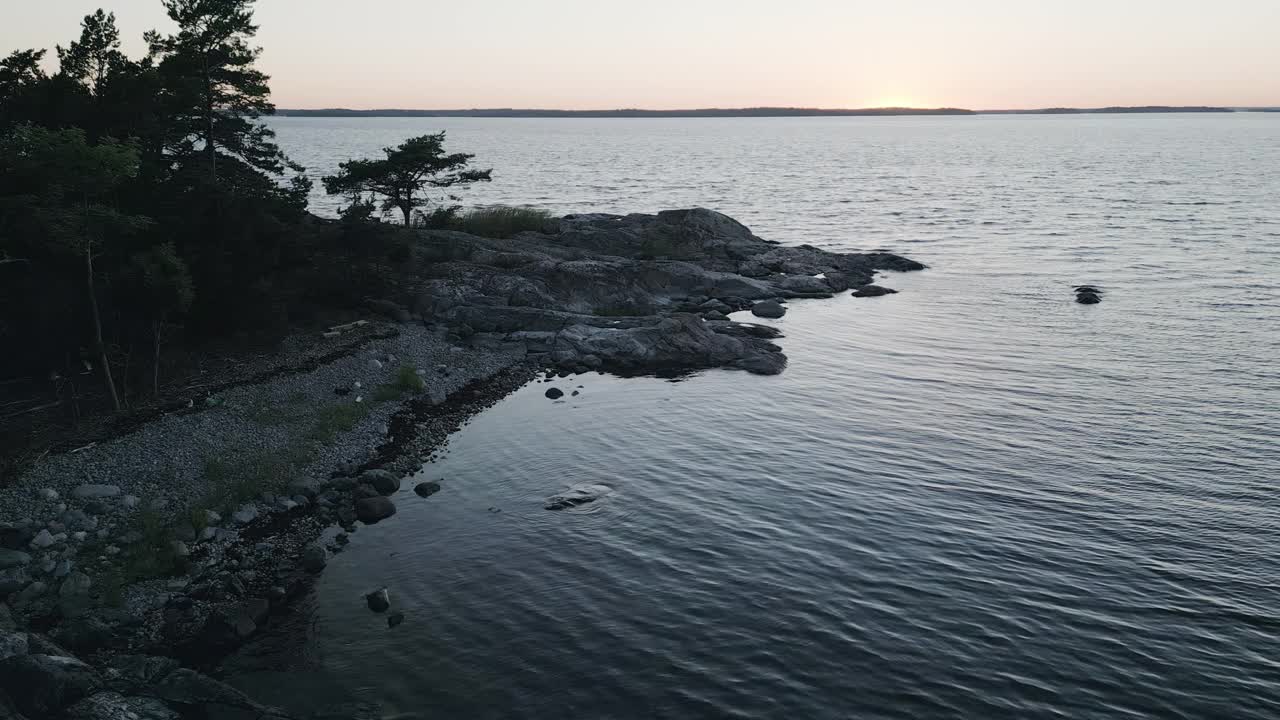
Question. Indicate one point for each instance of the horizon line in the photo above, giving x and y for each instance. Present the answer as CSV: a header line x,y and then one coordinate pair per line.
x,y
764,110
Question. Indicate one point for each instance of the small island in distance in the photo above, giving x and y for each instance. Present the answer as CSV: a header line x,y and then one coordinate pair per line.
x,y
744,112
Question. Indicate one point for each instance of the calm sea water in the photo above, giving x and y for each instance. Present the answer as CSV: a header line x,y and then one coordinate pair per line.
x,y
973,499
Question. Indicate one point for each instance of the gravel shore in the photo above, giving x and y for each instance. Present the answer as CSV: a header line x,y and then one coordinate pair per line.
x,y
251,462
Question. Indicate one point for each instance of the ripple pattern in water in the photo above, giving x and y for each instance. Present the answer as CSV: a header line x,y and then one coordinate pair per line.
x,y
972,499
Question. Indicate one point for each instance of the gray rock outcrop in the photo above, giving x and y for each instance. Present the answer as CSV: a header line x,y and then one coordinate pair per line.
x,y
627,293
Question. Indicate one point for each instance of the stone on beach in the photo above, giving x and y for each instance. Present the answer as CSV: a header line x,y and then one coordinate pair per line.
x,y
13,558
95,492
43,685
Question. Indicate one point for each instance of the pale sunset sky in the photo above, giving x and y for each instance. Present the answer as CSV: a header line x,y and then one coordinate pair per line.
x,y
663,54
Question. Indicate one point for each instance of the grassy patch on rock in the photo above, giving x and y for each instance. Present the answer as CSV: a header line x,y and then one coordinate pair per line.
x,y
500,221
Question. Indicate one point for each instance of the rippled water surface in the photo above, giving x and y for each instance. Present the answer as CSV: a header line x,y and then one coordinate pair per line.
x,y
972,499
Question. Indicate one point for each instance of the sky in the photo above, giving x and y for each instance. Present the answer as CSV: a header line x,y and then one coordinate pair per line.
x,y
668,54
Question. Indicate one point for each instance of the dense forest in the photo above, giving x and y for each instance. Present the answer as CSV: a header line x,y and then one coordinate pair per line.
x,y
145,209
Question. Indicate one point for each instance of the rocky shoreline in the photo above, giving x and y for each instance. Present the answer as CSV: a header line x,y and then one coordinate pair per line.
x,y
153,555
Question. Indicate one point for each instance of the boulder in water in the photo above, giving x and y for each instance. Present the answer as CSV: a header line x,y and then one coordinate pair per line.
x,y
427,489
374,509
1087,298
554,393
768,309
873,291
314,558
384,481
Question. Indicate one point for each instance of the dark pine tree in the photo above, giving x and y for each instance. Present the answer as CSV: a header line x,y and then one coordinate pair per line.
x,y
216,95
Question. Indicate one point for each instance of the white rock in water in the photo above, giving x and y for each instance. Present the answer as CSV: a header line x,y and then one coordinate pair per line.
x,y
376,364
130,501
42,540
79,535
49,494
90,492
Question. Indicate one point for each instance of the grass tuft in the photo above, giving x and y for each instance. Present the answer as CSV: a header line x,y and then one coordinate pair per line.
x,y
233,483
500,221
406,382
334,419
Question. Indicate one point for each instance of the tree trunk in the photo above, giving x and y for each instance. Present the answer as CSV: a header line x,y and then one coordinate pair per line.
x,y
97,329
408,213
210,150
155,360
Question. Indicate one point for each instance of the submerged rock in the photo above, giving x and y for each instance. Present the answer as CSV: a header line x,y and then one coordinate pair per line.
x,y
873,291
395,619
577,495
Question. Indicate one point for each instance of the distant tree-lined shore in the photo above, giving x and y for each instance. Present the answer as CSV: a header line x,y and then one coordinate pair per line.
x,y
744,112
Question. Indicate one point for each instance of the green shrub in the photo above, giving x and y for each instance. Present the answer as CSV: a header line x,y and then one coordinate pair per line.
x,y
500,221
